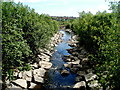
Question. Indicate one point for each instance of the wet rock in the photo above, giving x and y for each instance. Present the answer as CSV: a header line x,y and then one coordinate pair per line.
x,y
81,85
32,85
40,72
45,64
90,77
27,75
38,79
65,72
21,82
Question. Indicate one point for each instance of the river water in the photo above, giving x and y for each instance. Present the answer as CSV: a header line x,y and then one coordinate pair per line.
x,y
54,78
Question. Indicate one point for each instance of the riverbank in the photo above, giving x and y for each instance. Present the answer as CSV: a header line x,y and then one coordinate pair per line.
x,y
79,63
76,65
35,77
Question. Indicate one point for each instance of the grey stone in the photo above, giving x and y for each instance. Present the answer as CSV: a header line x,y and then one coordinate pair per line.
x,y
35,65
27,75
75,62
81,84
20,75
38,79
15,74
79,78
21,82
45,64
32,85
14,87
40,72
90,77
93,83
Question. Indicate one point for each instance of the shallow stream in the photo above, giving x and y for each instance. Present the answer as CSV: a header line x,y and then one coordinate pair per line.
x,y
54,78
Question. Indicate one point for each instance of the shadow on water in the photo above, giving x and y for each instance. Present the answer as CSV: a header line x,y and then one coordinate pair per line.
x,y
54,79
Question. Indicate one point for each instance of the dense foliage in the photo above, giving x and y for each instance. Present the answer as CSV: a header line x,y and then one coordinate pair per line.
x,y
100,35
24,32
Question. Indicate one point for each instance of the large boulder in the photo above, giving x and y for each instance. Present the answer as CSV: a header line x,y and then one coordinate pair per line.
x,y
20,82
45,64
81,85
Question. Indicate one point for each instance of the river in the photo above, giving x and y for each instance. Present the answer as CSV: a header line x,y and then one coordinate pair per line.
x,y
54,79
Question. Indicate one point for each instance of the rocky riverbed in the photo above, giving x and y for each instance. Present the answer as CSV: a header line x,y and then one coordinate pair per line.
x,y
77,63
34,78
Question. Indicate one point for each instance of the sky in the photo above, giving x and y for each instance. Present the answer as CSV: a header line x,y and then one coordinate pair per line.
x,y
66,7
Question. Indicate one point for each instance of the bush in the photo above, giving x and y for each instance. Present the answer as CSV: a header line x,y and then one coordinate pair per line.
x,y
100,35
23,32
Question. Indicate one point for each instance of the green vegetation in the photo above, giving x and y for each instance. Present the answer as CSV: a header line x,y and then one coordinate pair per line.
x,y
100,35
24,32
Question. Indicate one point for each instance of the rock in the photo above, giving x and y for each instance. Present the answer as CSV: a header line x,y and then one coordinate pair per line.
x,y
81,85
85,59
45,64
14,87
75,62
38,79
15,74
74,70
93,83
79,78
27,75
67,60
89,70
40,72
37,59
90,77
20,74
46,59
35,65
32,85
82,73
66,65
65,72
21,82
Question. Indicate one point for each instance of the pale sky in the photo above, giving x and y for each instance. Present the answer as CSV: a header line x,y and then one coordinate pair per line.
x,y
66,7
